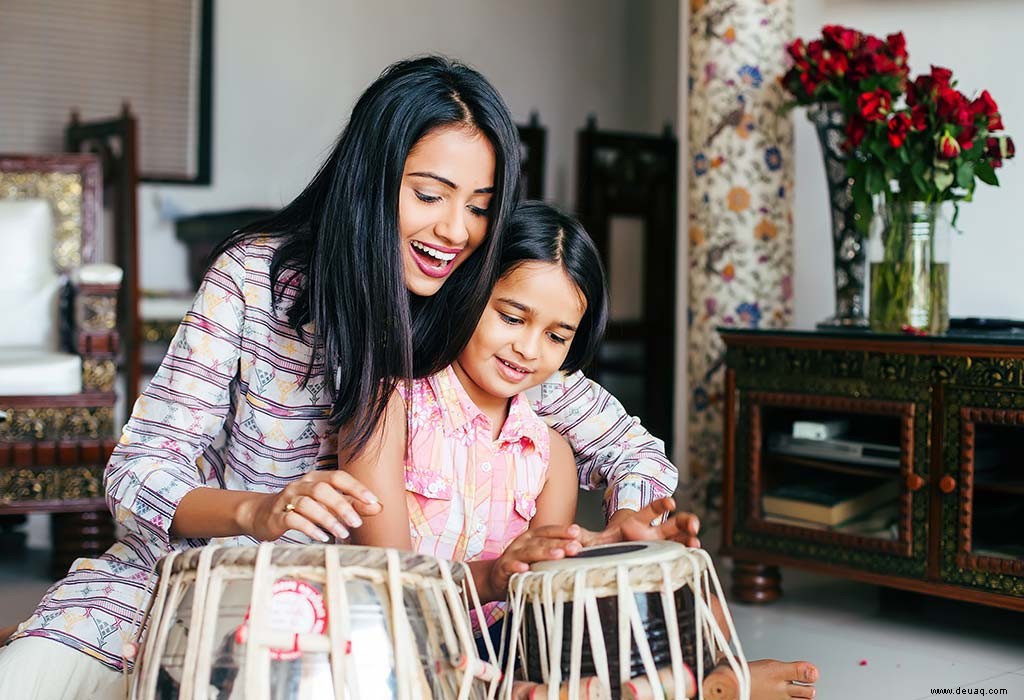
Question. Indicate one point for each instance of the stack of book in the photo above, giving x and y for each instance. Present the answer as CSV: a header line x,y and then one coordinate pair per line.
x,y
833,501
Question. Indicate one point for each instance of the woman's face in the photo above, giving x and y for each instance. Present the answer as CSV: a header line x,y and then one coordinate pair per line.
x,y
524,334
446,191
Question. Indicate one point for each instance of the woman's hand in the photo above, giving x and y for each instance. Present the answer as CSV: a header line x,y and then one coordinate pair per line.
x,y
316,504
635,526
536,544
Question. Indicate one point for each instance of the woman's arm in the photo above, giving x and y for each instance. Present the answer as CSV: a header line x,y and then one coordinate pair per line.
x,y
381,467
183,409
608,443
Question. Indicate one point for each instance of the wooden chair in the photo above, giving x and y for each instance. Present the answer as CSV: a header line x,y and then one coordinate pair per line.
x,y
57,350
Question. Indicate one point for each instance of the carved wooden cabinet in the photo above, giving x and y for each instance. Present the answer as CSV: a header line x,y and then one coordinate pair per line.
x,y
929,430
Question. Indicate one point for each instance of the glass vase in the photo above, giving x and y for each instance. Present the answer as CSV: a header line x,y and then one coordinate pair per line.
x,y
848,255
909,253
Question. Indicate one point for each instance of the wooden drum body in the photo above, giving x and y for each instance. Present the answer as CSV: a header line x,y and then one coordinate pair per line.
x,y
291,622
621,620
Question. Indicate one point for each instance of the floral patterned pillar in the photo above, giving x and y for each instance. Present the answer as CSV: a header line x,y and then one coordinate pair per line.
x,y
740,218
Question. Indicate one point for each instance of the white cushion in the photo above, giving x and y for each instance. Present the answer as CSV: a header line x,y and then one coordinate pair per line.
x,y
37,372
164,308
29,283
99,273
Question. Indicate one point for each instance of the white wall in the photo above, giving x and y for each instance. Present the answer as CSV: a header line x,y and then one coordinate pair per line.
x,y
981,42
287,75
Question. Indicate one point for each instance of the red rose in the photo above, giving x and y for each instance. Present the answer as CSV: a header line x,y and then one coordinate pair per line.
x,y
897,43
986,106
834,64
855,132
842,37
966,137
810,83
949,147
898,125
861,67
798,50
883,64
1000,147
815,49
872,44
919,117
874,106
941,75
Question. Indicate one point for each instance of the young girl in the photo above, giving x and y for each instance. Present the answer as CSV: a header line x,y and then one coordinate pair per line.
x,y
466,470
376,271
482,479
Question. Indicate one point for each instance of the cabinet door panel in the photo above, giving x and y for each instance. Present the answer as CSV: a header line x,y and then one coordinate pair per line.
x,y
982,489
835,479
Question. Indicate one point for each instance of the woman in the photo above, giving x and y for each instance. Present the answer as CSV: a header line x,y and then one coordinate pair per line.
x,y
304,324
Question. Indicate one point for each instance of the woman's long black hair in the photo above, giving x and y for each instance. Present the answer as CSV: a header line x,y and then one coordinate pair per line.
x,y
339,242
539,232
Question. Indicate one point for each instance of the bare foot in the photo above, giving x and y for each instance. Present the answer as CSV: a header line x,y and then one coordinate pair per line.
x,y
778,680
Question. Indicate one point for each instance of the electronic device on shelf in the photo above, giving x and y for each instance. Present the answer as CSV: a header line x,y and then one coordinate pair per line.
x,y
839,450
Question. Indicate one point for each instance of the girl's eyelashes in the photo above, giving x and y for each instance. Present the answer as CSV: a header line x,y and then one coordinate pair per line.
x,y
510,320
557,339
480,211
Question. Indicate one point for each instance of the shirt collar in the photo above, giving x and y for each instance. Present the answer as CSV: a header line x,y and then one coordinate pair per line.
x,y
459,413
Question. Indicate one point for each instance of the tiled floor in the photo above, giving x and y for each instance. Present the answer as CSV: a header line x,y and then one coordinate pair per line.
x,y
911,644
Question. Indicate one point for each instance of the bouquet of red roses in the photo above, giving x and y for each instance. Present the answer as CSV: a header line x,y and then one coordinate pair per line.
x,y
933,148
913,141
843,64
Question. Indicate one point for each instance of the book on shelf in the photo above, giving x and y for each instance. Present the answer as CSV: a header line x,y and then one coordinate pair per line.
x,y
829,500
879,522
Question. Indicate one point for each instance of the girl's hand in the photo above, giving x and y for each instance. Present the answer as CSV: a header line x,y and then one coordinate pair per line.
x,y
319,504
536,544
635,526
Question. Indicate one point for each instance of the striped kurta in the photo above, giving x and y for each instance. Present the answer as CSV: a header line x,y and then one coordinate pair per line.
x,y
227,409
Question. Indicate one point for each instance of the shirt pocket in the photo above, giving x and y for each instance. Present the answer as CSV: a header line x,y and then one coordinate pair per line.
x,y
429,497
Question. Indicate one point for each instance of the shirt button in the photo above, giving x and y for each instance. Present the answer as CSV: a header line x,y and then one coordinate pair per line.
x,y
485,467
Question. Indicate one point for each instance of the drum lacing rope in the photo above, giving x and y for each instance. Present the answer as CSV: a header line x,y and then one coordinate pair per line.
x,y
469,585
337,623
257,658
196,619
462,630
675,650
148,666
737,661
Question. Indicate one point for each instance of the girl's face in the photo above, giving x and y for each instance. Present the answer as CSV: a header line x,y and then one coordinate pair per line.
x,y
524,334
447,185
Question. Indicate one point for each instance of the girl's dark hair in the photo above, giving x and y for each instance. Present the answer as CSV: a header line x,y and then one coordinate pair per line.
x,y
339,242
539,232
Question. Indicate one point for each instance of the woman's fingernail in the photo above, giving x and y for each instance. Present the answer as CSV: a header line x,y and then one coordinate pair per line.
x,y
323,537
354,520
369,497
340,532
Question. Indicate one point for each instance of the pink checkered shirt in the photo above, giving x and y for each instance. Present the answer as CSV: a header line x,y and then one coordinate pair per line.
x,y
469,496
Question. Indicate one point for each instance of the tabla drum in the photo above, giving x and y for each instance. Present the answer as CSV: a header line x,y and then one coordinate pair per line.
x,y
292,622
632,620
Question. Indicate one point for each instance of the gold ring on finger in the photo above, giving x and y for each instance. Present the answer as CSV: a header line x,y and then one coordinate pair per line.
x,y
289,507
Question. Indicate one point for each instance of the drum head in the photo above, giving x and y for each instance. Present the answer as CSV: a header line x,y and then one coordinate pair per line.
x,y
617,554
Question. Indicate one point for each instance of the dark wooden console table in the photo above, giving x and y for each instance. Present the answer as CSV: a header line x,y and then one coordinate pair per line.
x,y
938,419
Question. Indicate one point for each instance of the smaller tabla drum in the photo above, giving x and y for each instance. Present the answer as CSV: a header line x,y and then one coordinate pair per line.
x,y
309,621
630,620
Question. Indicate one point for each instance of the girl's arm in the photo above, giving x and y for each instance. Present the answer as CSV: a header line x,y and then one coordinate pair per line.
x,y
381,468
551,534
